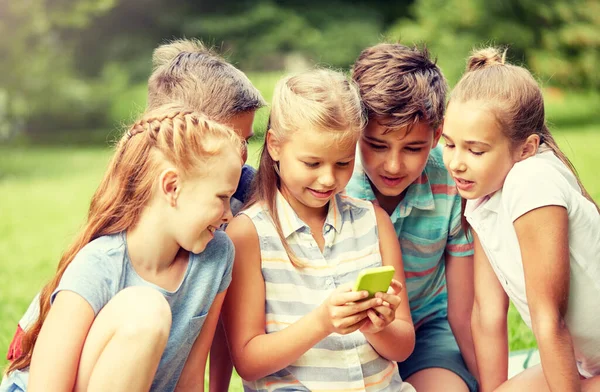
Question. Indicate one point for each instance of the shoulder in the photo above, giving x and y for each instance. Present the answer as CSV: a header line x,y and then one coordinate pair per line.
x,y
100,252
242,230
218,248
535,174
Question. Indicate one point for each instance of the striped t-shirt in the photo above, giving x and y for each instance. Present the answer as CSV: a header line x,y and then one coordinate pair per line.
x,y
428,224
338,362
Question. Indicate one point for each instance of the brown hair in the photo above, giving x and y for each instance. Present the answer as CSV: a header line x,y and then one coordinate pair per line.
x,y
400,85
321,100
184,138
513,97
186,71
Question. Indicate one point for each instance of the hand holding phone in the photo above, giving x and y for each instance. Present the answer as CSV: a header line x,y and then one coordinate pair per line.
x,y
375,280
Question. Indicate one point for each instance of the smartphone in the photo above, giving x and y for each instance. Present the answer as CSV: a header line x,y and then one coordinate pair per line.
x,y
375,280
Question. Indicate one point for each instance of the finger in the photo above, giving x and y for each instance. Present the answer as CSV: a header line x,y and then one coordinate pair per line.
x,y
385,312
396,286
393,299
377,321
343,297
351,308
346,322
355,327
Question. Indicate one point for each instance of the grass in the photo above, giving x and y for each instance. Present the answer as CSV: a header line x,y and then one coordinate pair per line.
x,y
44,195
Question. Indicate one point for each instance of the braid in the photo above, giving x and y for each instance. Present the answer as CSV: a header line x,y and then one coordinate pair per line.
x,y
154,124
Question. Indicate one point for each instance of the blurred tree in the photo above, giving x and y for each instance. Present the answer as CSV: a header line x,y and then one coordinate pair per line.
x,y
36,77
558,39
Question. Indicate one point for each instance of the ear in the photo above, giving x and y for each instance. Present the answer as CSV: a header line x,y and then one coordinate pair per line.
x,y
529,147
437,134
170,185
273,146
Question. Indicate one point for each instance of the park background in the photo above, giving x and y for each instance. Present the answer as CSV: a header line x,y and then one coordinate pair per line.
x,y
73,73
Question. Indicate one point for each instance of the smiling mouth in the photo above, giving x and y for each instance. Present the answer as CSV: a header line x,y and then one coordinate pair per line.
x,y
392,181
321,193
463,182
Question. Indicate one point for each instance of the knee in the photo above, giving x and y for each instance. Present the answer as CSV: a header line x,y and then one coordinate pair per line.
x,y
146,314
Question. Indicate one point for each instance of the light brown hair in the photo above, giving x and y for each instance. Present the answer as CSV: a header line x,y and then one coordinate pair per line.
x,y
514,98
320,100
187,72
183,138
400,85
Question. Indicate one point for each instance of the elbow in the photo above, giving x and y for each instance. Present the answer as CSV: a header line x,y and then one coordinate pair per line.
x,y
459,319
246,372
547,326
491,319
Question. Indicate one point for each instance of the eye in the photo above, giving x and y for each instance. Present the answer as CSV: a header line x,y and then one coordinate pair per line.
x,y
224,197
414,149
448,145
311,164
343,164
477,153
374,146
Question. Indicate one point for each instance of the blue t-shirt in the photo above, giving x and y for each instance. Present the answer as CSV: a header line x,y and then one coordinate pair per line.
x,y
102,268
242,193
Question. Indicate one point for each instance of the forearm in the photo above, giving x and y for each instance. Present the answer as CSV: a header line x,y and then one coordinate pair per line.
x,y
490,341
464,338
265,354
220,362
557,356
395,342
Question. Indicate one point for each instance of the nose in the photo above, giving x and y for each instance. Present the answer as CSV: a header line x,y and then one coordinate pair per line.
x,y
392,164
456,163
327,177
227,214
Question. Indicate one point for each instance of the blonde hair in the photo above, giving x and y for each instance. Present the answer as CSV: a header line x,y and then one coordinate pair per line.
x,y
187,72
183,138
513,97
319,100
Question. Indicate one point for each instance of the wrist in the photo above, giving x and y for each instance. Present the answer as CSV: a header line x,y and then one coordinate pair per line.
x,y
320,317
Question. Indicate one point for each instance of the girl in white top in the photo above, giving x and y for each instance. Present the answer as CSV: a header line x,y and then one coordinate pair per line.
x,y
536,229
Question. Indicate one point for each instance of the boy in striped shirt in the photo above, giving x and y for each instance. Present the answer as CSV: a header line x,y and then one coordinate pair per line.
x,y
400,167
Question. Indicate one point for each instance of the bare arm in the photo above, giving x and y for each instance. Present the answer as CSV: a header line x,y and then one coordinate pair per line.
x,y
63,334
488,323
397,340
192,375
255,353
546,263
459,278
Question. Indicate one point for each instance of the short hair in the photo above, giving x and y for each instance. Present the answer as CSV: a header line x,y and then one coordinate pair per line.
x,y
400,85
187,72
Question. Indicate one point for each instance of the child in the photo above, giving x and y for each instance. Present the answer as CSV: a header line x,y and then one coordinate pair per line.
x,y
401,170
536,230
291,318
144,278
187,72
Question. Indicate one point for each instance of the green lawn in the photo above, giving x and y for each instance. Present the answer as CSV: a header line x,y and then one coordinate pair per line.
x,y
44,195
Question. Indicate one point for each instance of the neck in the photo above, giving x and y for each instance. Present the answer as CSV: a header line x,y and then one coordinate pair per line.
x,y
388,203
149,246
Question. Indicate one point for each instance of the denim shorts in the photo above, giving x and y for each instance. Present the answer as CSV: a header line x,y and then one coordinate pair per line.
x,y
436,347
16,381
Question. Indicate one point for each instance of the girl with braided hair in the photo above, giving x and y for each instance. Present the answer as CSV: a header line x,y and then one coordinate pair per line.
x,y
136,297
